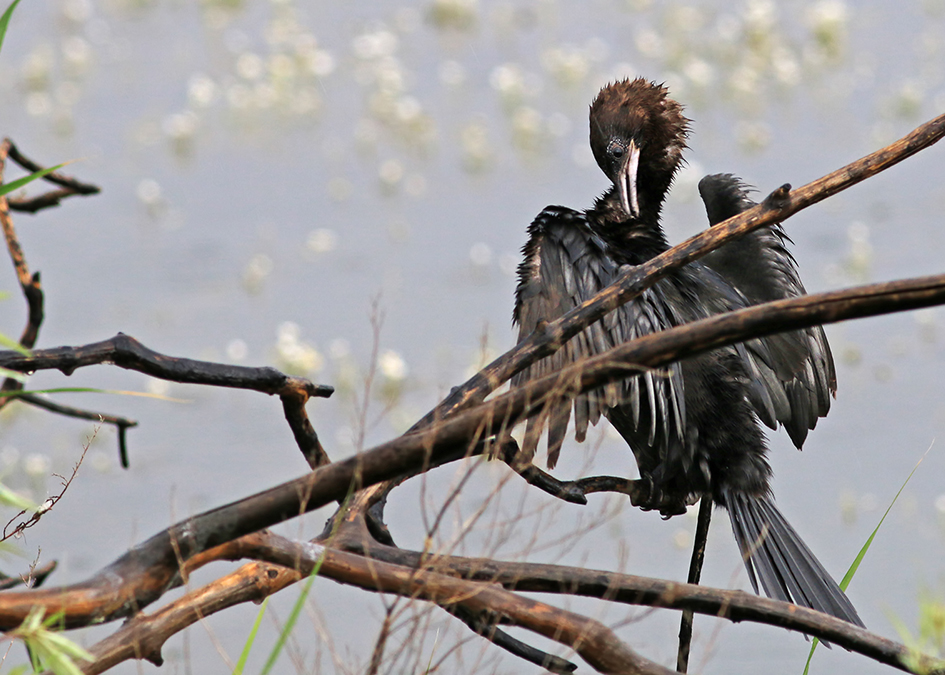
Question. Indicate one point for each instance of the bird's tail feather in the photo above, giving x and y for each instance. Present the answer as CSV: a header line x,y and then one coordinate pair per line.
x,y
775,554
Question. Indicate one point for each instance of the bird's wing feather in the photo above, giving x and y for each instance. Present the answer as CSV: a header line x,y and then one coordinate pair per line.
x,y
565,264
793,374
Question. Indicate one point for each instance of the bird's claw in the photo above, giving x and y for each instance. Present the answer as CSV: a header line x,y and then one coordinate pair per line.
x,y
650,497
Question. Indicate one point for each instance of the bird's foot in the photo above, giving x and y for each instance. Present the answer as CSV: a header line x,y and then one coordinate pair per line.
x,y
649,497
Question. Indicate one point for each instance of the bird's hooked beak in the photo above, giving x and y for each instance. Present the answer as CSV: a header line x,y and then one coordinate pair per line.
x,y
627,181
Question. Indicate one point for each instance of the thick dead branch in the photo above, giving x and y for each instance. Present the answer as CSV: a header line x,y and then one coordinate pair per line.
x,y
594,641
143,636
629,589
147,571
143,574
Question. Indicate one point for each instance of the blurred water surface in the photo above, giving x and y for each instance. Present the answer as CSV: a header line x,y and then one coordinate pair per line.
x,y
274,174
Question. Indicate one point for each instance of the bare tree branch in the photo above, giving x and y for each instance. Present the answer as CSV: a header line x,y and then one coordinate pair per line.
x,y
126,352
32,289
29,283
142,575
68,186
629,589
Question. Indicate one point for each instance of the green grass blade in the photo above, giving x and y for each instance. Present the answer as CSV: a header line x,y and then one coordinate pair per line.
x,y
7,188
436,639
14,375
293,617
10,343
297,609
5,20
10,498
88,390
866,547
241,664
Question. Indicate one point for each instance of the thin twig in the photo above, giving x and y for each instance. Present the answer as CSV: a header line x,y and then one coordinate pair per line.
x,y
48,505
57,178
29,283
122,424
33,579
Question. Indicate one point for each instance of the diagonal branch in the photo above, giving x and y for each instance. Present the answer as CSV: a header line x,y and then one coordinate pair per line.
x,y
143,574
780,205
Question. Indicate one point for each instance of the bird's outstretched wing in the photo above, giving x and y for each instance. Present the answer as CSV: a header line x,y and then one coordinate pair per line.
x,y
793,374
565,264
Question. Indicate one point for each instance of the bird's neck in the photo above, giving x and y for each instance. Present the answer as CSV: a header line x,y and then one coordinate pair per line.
x,y
636,239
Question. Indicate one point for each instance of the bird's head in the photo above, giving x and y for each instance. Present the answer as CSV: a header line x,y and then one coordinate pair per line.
x,y
638,135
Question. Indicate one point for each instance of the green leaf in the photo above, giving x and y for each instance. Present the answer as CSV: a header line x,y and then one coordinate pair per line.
x,y
67,647
241,664
5,20
33,621
49,650
848,577
7,188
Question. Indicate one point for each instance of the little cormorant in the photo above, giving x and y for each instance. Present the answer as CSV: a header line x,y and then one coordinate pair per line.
x,y
693,426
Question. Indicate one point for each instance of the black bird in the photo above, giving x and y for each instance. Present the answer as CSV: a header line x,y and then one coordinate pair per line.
x,y
693,427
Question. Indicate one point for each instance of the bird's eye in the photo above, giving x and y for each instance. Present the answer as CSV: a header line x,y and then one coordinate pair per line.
x,y
616,150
